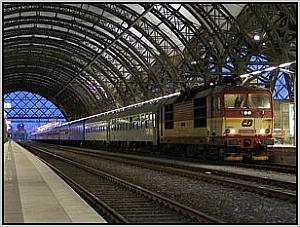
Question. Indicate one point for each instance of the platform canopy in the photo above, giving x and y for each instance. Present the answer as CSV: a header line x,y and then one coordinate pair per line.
x,y
87,58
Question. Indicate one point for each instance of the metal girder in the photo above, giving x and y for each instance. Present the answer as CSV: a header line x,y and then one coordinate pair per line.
x,y
30,107
103,51
117,54
276,25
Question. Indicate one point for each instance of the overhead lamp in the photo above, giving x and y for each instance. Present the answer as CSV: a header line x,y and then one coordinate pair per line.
x,y
256,37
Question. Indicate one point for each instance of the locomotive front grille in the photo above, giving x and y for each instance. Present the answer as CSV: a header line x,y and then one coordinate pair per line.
x,y
247,131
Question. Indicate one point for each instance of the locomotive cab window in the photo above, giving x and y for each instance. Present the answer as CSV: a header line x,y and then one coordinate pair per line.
x,y
200,112
259,101
235,100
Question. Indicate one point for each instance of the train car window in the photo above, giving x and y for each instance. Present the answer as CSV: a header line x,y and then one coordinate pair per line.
x,y
148,120
200,112
139,122
135,121
146,123
117,125
122,124
130,123
142,120
112,126
169,116
126,124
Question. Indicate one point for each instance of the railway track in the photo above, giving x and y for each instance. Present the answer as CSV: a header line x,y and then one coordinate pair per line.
x,y
118,200
264,166
267,166
268,187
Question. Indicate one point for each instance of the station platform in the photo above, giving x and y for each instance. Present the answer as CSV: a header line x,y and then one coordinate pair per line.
x,y
283,154
33,193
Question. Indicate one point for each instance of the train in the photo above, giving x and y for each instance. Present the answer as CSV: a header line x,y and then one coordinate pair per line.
x,y
19,134
217,122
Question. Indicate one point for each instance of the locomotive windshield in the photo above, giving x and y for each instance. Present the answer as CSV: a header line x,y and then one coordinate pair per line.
x,y
235,100
251,100
259,101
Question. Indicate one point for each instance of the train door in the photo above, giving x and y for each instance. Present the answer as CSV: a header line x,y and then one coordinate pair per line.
x,y
212,116
161,121
215,124
108,131
155,127
83,131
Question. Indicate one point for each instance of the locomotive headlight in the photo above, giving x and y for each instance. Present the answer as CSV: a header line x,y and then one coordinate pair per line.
x,y
262,131
230,131
249,112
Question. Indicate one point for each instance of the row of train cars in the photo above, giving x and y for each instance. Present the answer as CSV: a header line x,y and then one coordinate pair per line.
x,y
218,122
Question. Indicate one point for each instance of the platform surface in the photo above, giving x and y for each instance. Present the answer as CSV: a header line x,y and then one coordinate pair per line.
x,y
33,193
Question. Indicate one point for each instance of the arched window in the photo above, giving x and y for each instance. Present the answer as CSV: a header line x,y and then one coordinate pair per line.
x,y
30,111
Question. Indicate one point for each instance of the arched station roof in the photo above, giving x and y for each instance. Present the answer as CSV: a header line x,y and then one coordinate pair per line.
x,y
87,58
